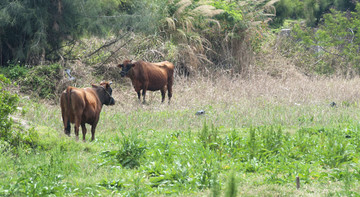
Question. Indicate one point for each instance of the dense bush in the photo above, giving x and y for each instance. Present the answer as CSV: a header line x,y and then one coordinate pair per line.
x,y
332,49
32,32
41,81
14,71
11,136
310,10
8,104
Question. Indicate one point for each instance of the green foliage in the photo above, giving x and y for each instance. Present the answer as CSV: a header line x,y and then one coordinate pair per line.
x,y
113,185
209,138
8,104
310,10
12,136
231,15
131,152
42,81
216,186
30,30
14,71
42,179
286,9
335,44
34,32
27,139
231,190
161,161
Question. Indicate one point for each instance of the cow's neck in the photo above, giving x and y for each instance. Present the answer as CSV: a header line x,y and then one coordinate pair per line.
x,y
131,74
100,95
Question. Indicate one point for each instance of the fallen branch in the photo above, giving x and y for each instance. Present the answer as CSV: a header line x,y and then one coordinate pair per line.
x,y
114,52
108,44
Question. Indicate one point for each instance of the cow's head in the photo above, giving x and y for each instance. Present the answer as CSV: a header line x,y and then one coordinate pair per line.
x,y
125,67
105,93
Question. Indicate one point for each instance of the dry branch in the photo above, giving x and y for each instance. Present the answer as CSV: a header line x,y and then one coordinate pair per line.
x,y
114,52
108,44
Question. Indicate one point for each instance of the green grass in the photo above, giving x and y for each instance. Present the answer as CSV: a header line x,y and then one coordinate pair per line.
x,y
248,146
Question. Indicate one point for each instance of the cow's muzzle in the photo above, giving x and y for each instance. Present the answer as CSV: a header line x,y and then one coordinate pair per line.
x,y
123,73
112,101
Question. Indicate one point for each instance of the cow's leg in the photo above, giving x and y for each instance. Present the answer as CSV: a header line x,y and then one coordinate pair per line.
x,y
144,88
169,92
137,90
93,127
163,91
138,93
76,128
83,128
143,94
67,127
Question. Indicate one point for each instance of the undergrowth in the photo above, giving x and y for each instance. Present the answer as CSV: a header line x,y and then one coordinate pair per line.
x,y
253,146
177,162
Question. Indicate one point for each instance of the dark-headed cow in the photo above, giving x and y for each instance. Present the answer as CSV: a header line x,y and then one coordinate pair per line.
x,y
149,76
83,105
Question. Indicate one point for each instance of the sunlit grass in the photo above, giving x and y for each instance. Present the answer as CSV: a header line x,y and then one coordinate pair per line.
x,y
264,131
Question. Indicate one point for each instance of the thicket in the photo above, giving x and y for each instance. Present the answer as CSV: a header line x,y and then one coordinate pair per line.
x,y
196,35
310,10
12,136
8,103
332,49
206,32
34,31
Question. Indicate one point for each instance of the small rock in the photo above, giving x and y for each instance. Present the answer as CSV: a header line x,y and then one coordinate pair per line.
x,y
332,104
201,112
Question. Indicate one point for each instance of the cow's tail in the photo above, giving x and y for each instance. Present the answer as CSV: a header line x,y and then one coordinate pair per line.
x,y
69,108
68,97
171,69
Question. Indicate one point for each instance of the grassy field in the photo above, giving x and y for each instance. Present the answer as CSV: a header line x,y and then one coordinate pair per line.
x,y
256,136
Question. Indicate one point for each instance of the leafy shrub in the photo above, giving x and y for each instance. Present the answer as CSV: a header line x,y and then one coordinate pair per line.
x,y
332,48
114,184
209,138
42,81
231,14
8,103
14,136
130,153
14,71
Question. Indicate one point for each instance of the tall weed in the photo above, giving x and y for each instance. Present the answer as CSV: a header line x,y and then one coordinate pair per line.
x,y
131,151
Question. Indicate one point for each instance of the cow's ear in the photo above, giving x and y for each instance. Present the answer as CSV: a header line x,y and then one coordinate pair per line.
x,y
120,65
132,65
94,86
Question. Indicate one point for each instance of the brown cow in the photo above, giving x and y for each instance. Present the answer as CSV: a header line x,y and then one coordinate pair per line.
x,y
149,76
82,106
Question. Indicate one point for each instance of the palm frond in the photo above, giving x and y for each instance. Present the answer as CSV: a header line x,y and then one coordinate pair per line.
x,y
182,33
207,10
183,4
271,3
188,24
218,25
171,23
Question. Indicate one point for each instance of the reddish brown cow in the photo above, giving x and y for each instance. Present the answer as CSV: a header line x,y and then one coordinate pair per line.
x,y
149,76
80,106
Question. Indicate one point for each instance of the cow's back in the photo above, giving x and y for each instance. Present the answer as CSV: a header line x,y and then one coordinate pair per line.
x,y
80,103
157,74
